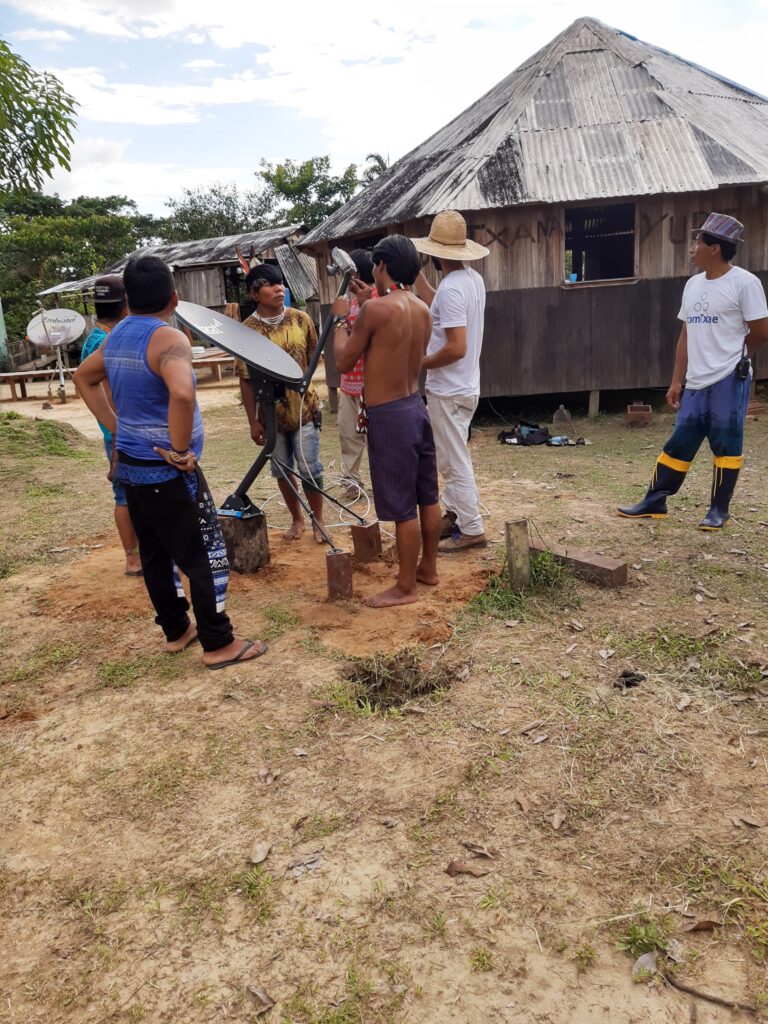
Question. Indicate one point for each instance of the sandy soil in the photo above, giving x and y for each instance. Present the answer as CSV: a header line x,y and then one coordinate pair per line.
x,y
137,786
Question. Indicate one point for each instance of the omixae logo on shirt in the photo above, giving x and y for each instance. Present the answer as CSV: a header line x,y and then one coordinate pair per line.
x,y
700,315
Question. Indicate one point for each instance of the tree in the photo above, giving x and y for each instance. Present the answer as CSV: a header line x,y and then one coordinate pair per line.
x,y
36,123
306,192
377,165
45,240
219,209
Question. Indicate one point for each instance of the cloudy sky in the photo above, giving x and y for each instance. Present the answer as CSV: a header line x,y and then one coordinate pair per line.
x,y
177,94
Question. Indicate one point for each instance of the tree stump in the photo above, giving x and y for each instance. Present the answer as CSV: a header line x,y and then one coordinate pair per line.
x,y
247,541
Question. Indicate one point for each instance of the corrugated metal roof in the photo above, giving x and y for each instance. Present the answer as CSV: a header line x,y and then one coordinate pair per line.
x,y
299,271
595,114
185,255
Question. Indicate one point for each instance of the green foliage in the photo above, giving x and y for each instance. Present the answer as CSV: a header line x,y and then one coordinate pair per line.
x,y
643,937
215,210
36,123
45,240
376,165
305,192
25,438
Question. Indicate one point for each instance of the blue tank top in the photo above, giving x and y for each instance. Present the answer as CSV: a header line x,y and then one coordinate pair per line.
x,y
140,396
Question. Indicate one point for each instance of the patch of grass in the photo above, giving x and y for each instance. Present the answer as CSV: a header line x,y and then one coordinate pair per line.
x,y
437,925
279,620
500,600
44,659
730,889
643,936
584,956
25,438
319,826
384,682
7,565
481,960
36,490
122,674
702,661
256,887
495,898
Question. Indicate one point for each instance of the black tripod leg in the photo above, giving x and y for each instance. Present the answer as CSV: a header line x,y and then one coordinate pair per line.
x,y
286,474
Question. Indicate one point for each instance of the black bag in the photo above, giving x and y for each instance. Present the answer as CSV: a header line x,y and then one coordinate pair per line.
x,y
524,433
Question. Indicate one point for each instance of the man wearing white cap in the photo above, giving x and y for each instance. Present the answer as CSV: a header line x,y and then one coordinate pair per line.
x,y
725,318
452,363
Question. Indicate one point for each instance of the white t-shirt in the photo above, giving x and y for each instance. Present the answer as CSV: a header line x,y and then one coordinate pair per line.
x,y
715,312
459,302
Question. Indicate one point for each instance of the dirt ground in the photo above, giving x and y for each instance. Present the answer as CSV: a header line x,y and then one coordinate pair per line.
x,y
179,845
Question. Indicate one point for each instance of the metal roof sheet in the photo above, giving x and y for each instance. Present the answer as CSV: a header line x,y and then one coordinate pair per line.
x,y
185,255
595,114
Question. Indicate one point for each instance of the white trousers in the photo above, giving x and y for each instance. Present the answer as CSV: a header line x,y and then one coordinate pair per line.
x,y
451,418
351,443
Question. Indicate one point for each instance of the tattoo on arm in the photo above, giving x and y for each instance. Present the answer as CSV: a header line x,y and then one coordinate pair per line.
x,y
177,351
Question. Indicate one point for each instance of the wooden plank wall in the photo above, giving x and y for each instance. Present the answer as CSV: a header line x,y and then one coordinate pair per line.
x,y
616,337
204,285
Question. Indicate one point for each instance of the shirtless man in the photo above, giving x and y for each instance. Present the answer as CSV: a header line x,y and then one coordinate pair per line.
x,y
392,334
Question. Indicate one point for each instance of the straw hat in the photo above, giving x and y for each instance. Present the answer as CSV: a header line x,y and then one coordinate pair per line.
x,y
447,238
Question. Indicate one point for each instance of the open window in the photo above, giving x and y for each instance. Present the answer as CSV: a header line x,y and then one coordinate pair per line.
x,y
600,242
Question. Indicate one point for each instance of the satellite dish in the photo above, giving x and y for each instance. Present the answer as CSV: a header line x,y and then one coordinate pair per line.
x,y
54,328
253,348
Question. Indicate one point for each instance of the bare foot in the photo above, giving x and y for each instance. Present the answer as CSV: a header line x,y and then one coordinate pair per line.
x,y
317,535
235,653
188,637
296,530
394,596
424,575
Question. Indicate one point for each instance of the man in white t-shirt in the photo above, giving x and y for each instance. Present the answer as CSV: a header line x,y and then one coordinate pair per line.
x,y
725,319
452,363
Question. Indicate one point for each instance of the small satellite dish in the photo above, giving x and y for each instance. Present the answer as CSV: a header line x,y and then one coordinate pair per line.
x,y
53,328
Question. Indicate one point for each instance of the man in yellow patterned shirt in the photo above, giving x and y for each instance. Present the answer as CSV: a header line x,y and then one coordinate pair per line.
x,y
298,422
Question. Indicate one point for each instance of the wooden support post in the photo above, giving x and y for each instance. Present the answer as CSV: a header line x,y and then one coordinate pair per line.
x,y
594,404
333,399
518,558
366,538
587,565
338,566
247,541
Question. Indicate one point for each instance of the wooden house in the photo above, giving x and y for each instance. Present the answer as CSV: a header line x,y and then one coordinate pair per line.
x,y
207,271
596,158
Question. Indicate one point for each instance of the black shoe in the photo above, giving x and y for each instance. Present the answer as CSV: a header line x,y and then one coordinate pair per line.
x,y
715,519
724,479
666,481
653,506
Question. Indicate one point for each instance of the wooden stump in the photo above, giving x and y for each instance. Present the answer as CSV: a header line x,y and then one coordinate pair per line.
x,y
247,541
518,558
366,538
339,569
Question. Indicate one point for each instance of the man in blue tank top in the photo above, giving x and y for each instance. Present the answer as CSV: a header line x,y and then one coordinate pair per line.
x,y
158,434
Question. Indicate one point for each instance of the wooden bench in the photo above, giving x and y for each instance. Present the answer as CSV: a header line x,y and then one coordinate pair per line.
x,y
21,377
214,362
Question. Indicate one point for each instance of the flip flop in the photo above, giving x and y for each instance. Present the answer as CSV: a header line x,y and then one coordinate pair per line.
x,y
134,572
238,659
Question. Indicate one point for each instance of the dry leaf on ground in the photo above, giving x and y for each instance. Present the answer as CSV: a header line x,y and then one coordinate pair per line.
x,y
481,851
558,817
259,853
263,1000
684,701
457,867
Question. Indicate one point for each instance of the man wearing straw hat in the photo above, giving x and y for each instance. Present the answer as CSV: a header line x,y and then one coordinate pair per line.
x,y
725,318
452,363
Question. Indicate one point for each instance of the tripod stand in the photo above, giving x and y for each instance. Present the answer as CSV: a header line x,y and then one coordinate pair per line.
x,y
238,504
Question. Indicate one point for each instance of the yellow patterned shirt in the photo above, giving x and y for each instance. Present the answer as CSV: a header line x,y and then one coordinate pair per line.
x,y
297,336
